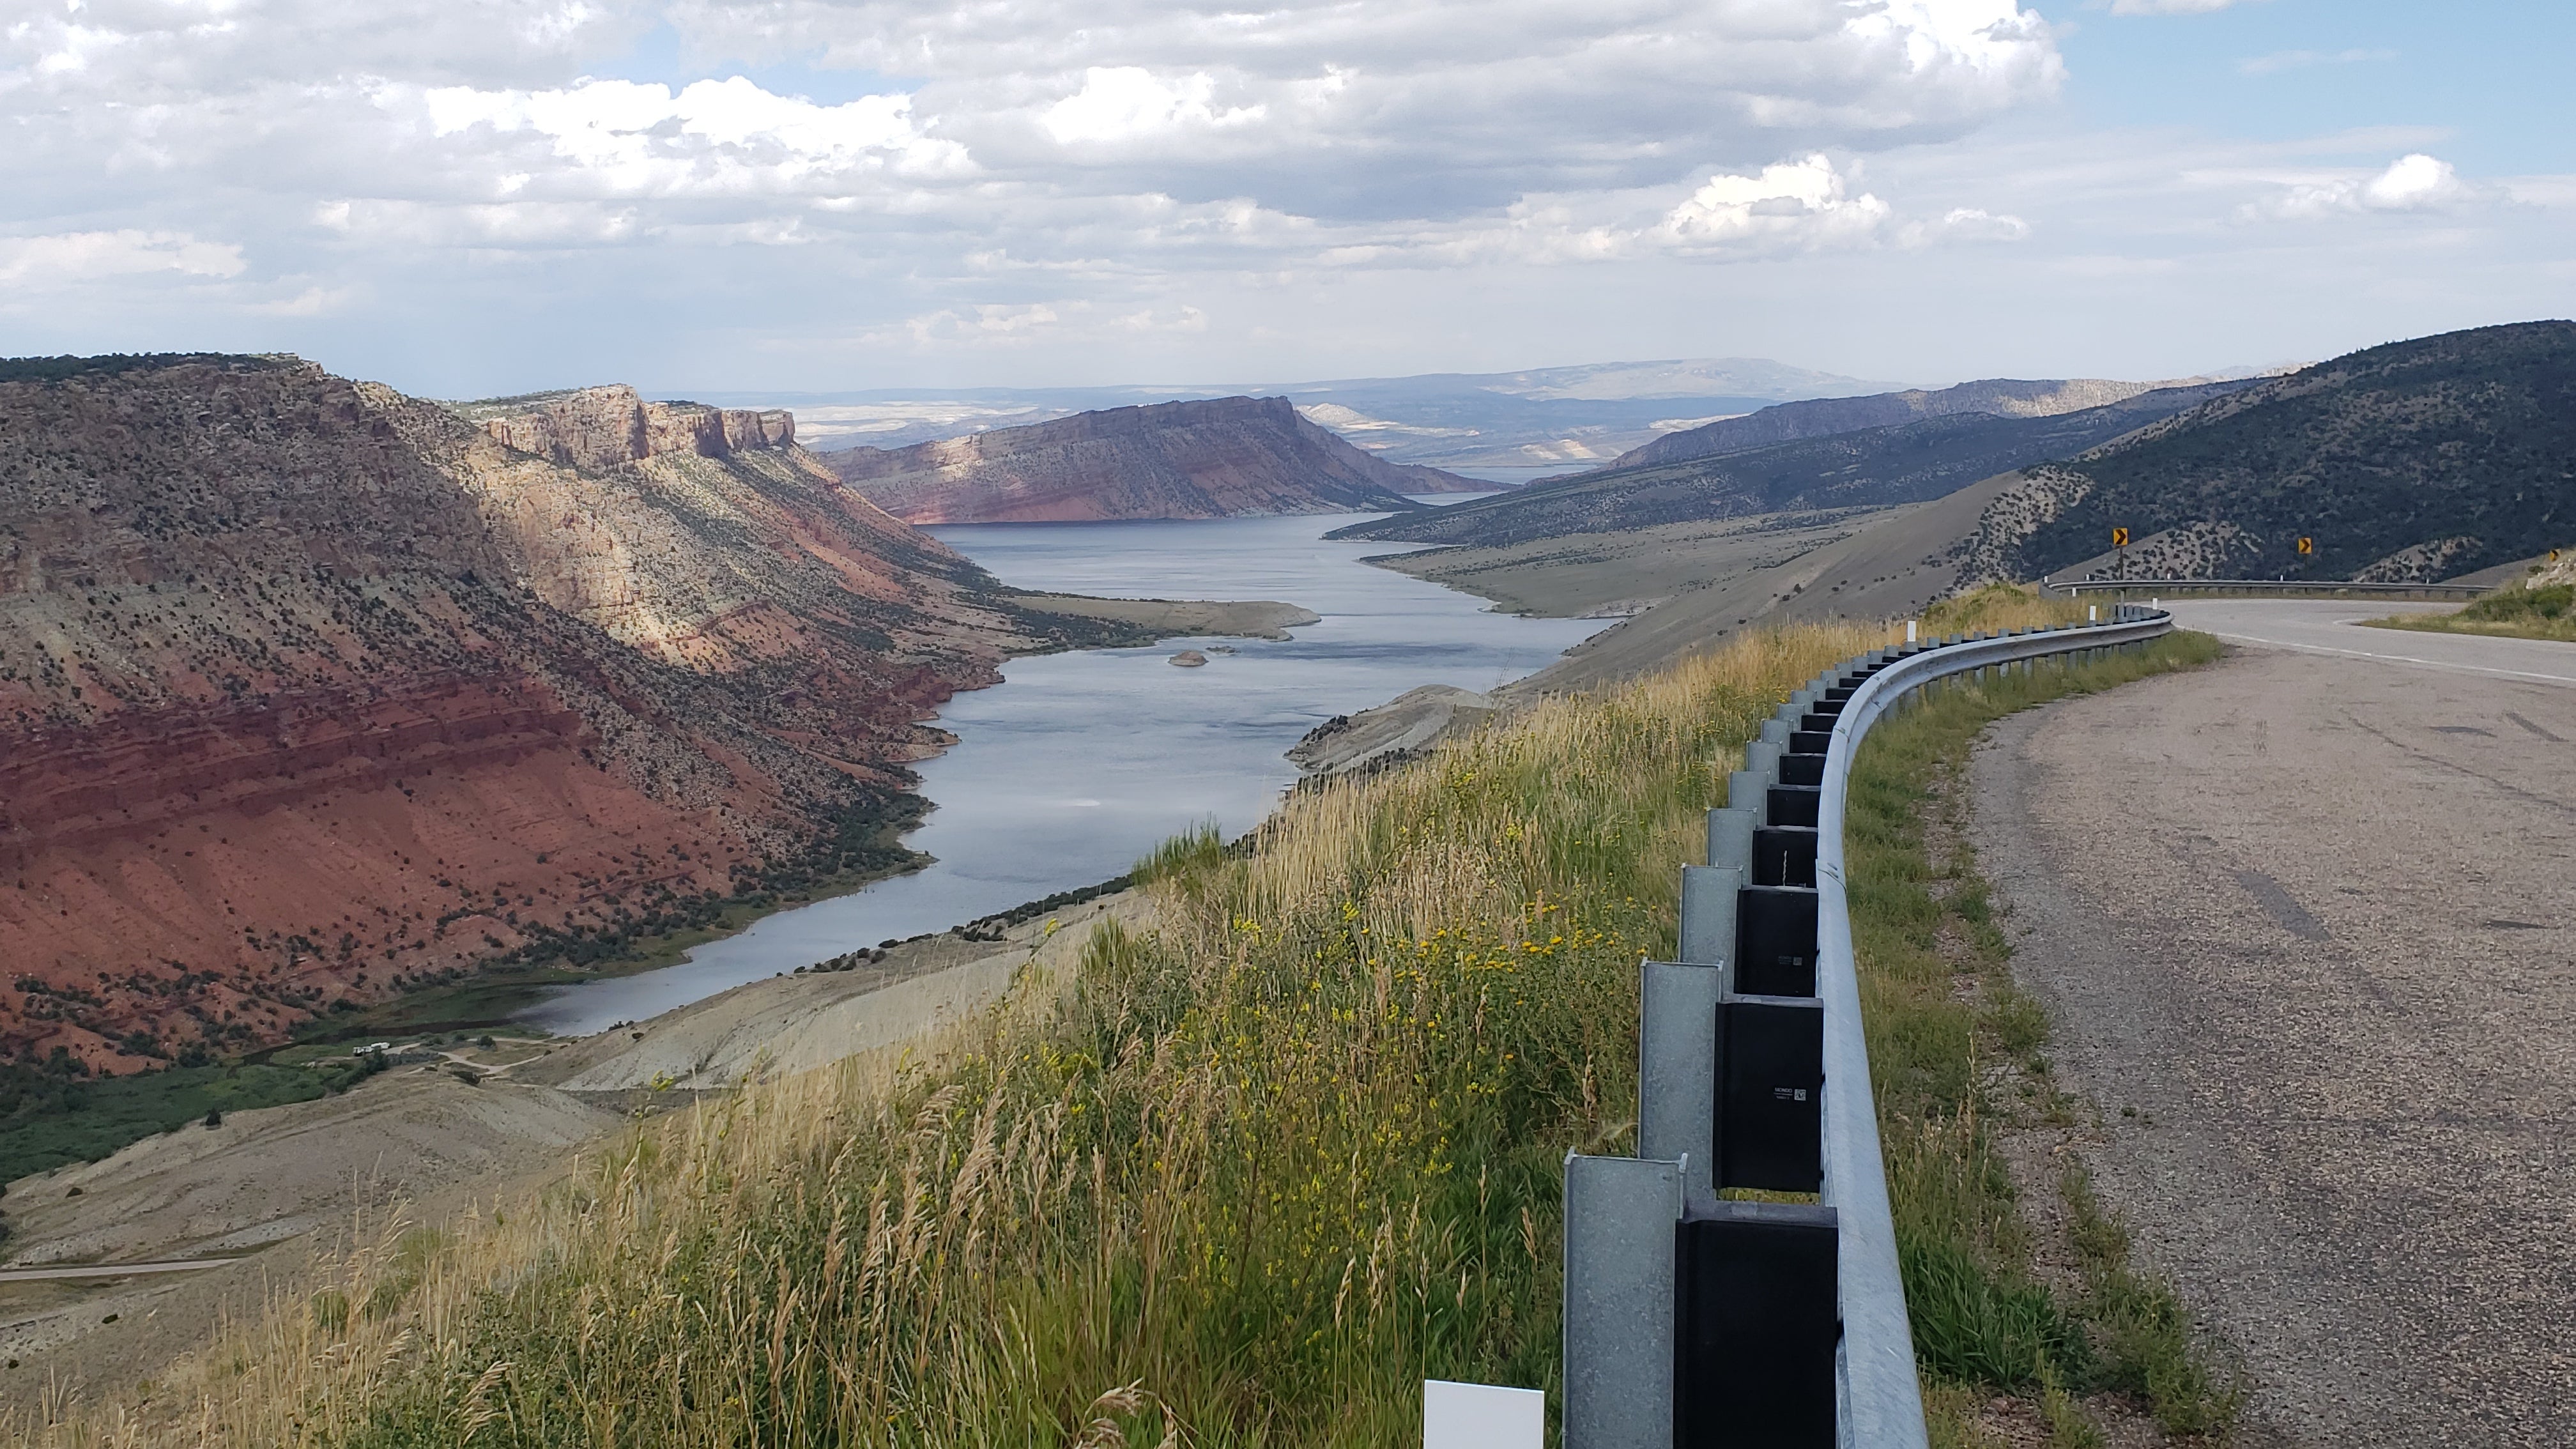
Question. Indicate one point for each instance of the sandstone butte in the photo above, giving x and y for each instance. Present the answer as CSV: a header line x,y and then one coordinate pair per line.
x,y
312,691
1216,458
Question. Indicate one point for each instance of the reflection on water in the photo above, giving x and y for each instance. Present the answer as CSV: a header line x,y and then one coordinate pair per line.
x,y
1079,763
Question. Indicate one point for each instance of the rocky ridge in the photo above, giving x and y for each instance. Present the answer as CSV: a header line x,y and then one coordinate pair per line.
x,y
2408,462
1215,458
1822,417
1871,468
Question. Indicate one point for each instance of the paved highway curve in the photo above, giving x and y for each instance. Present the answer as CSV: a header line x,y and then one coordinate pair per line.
x,y
2309,915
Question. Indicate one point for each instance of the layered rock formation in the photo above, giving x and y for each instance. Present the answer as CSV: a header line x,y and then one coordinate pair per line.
x,y
1210,459
310,691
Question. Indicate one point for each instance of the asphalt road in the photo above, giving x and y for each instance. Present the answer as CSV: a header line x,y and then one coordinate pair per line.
x,y
2306,920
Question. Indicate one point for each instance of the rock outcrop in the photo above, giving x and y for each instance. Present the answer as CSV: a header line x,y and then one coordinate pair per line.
x,y
1217,458
312,692
607,427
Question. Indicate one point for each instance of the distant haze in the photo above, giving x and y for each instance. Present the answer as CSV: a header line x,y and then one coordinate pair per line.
x,y
1542,419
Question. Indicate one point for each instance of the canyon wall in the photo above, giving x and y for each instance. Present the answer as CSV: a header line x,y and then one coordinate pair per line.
x,y
311,691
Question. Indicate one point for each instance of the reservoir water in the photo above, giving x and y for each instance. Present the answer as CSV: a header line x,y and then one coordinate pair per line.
x,y
1078,764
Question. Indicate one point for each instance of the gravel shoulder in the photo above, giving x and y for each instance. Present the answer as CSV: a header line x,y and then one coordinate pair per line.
x,y
2305,923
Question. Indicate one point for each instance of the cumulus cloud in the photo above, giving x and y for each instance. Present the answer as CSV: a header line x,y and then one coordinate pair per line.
x,y
1131,103
1794,205
2415,182
89,256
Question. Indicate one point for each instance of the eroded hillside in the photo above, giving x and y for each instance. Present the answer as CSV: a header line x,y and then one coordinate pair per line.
x,y
310,691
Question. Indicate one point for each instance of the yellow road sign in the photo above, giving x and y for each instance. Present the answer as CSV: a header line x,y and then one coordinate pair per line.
x,y
2119,538
2307,545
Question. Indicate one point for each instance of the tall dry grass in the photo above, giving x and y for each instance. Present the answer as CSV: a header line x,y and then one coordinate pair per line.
x,y
1247,1179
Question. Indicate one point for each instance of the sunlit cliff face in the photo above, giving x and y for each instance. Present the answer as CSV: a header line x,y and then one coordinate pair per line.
x,y
310,690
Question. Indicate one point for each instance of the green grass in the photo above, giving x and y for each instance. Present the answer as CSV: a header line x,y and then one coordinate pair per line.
x,y
1940,1006
83,1119
2514,611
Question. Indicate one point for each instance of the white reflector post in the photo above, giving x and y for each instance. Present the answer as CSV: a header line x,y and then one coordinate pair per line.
x,y
1481,1416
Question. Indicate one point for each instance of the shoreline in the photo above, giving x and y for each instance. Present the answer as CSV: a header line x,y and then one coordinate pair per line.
x,y
499,995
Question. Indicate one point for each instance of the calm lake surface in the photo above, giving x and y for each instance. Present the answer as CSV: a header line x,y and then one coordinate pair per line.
x,y
1078,764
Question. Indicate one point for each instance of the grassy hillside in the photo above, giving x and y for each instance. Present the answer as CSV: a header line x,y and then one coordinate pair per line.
x,y
1247,1179
2417,460
2542,606
1870,468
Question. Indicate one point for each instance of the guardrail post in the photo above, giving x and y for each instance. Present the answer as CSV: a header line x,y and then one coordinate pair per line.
x,y
1621,1241
1730,837
1708,913
1677,1063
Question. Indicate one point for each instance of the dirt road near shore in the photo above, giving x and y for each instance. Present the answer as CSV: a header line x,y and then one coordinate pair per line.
x,y
2306,923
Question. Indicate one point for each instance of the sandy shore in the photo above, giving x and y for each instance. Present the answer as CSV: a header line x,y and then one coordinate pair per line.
x,y
1172,618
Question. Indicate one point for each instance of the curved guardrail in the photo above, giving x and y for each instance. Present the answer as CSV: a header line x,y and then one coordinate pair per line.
x,y
1690,1318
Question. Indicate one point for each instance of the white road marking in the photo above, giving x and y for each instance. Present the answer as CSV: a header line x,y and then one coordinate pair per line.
x,y
2397,658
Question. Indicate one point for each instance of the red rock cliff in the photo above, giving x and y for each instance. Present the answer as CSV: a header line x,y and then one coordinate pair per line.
x,y
309,690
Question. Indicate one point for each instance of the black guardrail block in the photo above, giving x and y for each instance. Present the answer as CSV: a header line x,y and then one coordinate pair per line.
x,y
1802,769
1770,1091
1791,804
1817,721
1840,693
1775,941
1784,855
1803,741
1757,1317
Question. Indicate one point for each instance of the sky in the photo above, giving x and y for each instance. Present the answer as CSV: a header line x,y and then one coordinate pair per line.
x,y
473,198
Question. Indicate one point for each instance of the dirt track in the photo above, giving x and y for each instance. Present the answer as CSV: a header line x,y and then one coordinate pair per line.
x,y
2310,917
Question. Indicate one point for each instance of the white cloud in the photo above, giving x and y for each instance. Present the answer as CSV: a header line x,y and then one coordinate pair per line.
x,y
729,136
2415,182
1129,102
1963,224
2283,60
89,256
1793,205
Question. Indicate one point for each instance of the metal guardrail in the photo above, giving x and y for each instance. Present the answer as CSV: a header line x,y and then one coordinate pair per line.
x,y
1688,1317
2282,588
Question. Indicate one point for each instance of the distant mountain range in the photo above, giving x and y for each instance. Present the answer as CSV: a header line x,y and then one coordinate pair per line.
x,y
1542,419
2413,461
1211,458
1996,397
1871,467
